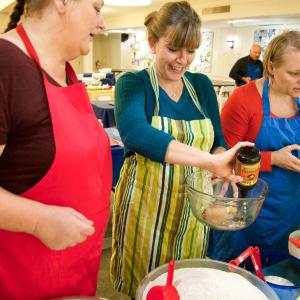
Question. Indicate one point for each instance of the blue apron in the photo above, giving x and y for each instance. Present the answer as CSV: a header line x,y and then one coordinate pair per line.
x,y
280,214
254,70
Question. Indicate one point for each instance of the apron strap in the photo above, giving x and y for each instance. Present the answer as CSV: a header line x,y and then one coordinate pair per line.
x,y
155,86
71,74
193,95
31,51
190,88
297,102
27,43
265,98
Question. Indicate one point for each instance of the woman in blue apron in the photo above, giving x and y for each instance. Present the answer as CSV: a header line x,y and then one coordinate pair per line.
x,y
272,108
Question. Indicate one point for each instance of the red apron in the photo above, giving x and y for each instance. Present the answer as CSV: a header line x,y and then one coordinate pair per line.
x,y
80,177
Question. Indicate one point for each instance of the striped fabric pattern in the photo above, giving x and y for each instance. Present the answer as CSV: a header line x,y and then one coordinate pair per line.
x,y
152,219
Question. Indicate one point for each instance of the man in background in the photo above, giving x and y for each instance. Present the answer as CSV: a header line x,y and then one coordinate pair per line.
x,y
248,68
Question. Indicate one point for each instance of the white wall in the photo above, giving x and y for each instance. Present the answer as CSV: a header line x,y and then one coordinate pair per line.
x,y
77,64
4,19
115,51
129,18
126,56
107,49
223,56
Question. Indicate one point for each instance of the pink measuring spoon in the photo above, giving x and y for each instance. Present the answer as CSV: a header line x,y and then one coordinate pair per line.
x,y
165,292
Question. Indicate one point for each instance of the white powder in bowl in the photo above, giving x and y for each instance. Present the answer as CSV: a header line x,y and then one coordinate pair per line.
x,y
209,284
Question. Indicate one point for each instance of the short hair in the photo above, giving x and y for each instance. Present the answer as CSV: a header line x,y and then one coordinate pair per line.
x,y
179,20
278,47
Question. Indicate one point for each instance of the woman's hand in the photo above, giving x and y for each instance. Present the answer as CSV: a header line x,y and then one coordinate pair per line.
x,y
61,227
222,164
283,158
57,227
215,179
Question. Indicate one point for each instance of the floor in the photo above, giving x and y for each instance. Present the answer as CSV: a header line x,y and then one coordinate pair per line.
x,y
105,288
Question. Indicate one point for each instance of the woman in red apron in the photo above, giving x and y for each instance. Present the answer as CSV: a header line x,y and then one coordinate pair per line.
x,y
51,231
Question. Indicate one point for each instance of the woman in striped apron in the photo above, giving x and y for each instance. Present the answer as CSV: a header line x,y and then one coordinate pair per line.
x,y
168,120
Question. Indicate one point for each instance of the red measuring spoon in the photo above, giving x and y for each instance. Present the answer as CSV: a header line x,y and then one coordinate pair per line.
x,y
165,292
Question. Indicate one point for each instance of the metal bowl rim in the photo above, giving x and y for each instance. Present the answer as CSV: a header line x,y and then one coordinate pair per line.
x,y
252,278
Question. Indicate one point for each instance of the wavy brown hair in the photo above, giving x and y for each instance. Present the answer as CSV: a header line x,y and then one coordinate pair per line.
x,y
180,20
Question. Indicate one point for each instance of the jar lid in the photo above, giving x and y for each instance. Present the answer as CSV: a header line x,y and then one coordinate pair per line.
x,y
248,155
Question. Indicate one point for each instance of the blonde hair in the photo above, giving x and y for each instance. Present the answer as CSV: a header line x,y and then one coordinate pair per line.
x,y
27,6
180,20
277,48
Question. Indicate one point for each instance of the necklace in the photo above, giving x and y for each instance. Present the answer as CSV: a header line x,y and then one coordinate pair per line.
x,y
172,92
173,89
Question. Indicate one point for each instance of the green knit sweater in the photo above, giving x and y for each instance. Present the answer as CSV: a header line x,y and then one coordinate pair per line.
x,y
134,108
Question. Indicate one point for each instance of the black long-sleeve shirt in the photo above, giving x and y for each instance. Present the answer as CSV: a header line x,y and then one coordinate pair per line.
x,y
240,69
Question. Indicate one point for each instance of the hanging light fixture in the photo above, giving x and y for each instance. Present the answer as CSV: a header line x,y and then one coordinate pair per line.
x,y
127,2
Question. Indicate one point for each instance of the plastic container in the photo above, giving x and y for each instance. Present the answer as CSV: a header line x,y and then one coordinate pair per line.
x,y
205,263
225,212
284,266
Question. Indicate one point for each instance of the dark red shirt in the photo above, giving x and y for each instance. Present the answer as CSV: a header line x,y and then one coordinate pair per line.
x,y
25,123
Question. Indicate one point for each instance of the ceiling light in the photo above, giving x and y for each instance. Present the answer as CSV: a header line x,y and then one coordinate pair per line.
x,y
127,2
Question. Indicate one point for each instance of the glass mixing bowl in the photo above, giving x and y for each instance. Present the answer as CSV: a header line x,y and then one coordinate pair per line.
x,y
224,211
204,263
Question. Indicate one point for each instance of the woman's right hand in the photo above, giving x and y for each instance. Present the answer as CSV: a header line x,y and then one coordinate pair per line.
x,y
61,227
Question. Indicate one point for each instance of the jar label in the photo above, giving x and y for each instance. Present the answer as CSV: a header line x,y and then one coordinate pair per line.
x,y
249,173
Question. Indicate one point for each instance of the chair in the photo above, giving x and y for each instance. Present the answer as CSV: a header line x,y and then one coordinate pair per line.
x,y
223,95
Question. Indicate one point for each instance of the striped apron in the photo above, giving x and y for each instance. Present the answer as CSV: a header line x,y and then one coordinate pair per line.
x,y
152,219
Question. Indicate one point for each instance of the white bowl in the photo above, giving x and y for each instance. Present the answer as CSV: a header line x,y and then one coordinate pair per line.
x,y
294,251
204,264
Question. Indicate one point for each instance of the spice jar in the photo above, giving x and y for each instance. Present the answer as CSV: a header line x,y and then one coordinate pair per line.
x,y
247,166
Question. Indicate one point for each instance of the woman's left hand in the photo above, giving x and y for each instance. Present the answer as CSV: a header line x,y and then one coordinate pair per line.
x,y
283,158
